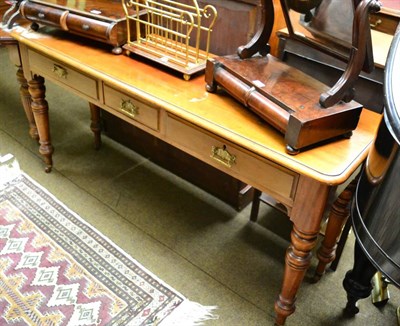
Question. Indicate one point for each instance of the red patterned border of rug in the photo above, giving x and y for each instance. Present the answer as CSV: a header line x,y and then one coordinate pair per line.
x,y
55,269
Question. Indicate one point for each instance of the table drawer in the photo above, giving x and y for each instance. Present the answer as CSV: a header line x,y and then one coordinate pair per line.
x,y
53,70
384,21
132,108
266,176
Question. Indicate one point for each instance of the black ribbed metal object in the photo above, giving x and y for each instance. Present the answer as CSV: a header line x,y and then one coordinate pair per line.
x,y
375,208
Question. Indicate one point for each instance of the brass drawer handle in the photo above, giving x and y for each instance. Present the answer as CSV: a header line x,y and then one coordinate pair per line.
x,y
85,27
41,15
60,71
223,156
376,24
129,108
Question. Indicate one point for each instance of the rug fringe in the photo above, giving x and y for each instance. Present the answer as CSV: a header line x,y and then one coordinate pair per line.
x,y
190,313
9,169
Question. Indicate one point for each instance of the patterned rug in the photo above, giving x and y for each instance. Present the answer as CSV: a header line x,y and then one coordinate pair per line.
x,y
55,269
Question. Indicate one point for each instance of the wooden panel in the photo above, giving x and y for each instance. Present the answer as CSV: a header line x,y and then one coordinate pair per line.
x,y
243,17
5,37
3,7
236,24
279,23
385,21
144,114
368,87
262,174
57,72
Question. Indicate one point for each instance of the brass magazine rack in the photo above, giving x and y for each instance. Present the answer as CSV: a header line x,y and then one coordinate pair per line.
x,y
171,33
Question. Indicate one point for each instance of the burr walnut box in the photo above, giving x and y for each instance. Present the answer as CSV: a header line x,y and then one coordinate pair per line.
x,y
100,20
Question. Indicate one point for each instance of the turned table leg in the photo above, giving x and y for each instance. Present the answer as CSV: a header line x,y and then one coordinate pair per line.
x,y
306,215
298,258
26,103
40,110
95,124
338,216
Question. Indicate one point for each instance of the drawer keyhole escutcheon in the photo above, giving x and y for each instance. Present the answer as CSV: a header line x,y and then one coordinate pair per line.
x,y
60,71
223,156
129,108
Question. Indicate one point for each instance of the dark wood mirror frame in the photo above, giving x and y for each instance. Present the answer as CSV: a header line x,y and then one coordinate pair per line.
x,y
326,25
339,28
287,98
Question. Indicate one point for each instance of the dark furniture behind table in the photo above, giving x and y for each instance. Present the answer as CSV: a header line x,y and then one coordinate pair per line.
x,y
327,69
369,91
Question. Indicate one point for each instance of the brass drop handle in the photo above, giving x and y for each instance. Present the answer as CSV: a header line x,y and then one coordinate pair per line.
x,y
60,71
221,155
376,24
129,108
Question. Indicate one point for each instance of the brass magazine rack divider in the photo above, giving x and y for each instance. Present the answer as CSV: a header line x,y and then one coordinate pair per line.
x,y
170,33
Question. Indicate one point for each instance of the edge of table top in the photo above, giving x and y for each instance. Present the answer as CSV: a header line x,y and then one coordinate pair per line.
x,y
331,163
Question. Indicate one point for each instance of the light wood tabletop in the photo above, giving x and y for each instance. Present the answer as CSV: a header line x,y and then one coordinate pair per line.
x,y
331,163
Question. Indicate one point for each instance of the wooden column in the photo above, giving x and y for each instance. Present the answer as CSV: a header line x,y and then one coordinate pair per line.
x,y
95,124
26,103
40,109
338,216
306,215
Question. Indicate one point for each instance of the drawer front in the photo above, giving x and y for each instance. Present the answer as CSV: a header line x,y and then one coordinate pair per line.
x,y
58,72
91,28
384,22
42,14
266,176
132,108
